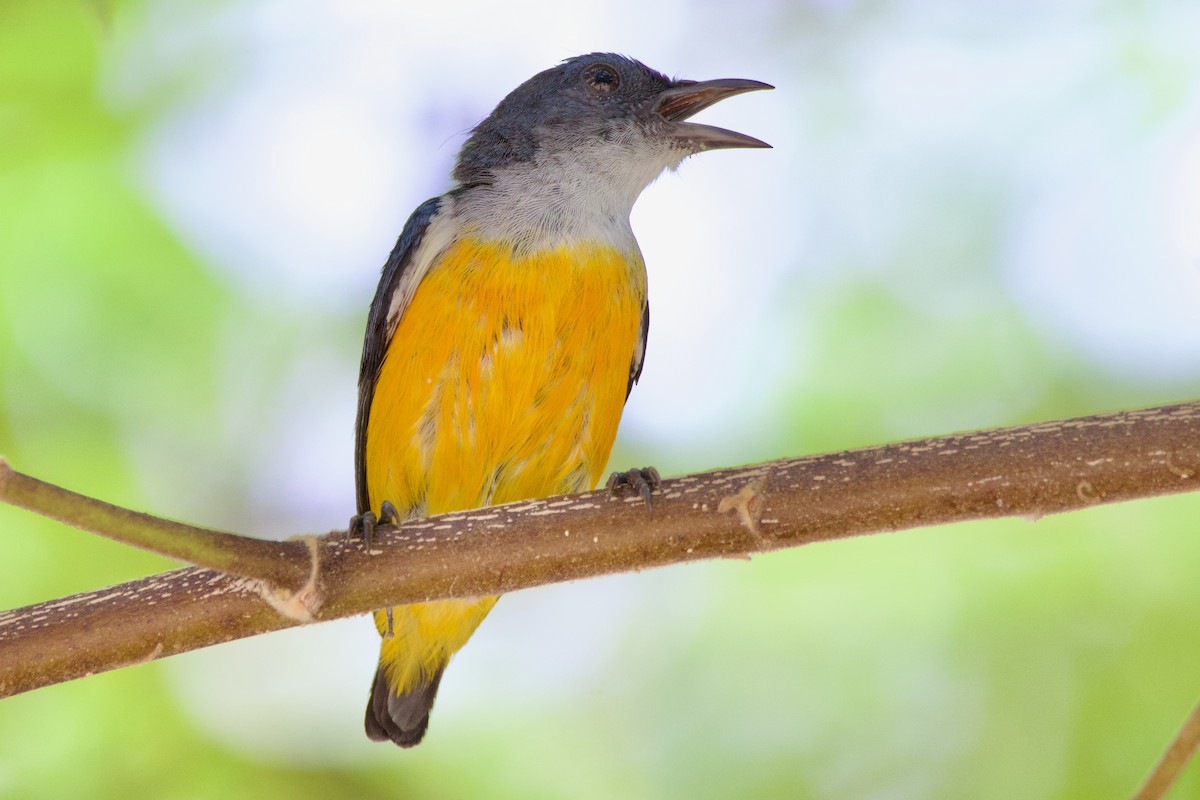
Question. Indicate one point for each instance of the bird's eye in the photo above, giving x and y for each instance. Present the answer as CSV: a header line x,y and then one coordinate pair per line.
x,y
602,78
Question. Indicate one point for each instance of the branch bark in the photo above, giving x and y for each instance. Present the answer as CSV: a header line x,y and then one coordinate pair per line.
x,y
1029,470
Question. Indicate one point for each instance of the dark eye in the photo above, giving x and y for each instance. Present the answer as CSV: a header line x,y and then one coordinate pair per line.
x,y
602,78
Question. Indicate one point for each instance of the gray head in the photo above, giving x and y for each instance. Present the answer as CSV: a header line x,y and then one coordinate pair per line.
x,y
602,113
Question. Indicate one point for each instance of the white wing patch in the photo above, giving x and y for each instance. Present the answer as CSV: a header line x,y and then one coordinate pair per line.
x,y
438,236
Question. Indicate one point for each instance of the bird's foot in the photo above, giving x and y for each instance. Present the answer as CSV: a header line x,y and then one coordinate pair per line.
x,y
643,481
363,525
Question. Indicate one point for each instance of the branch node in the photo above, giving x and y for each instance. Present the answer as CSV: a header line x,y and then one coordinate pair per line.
x,y
153,655
1087,493
1180,472
749,504
303,604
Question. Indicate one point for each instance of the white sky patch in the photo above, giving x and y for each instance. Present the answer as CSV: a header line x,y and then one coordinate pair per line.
x,y
1181,214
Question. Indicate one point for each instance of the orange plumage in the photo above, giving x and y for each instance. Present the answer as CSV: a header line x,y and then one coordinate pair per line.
x,y
504,380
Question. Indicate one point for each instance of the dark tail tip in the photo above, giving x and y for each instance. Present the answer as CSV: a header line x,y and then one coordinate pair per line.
x,y
401,719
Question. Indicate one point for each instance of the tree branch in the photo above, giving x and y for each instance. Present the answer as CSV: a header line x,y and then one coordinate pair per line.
x,y
278,563
1172,762
1028,470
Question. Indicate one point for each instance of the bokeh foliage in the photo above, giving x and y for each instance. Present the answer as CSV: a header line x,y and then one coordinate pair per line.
x,y
995,659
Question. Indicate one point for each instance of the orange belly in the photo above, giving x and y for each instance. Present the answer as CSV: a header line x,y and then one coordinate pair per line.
x,y
505,380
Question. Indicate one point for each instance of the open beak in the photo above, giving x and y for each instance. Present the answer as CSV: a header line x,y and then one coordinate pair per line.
x,y
686,98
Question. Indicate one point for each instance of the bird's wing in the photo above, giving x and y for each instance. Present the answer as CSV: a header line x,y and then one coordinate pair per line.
x,y
419,244
639,355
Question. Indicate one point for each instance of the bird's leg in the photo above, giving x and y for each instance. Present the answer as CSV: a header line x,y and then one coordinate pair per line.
x,y
643,481
388,515
364,525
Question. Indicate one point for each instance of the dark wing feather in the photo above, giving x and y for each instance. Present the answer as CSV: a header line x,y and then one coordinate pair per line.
x,y
377,338
639,355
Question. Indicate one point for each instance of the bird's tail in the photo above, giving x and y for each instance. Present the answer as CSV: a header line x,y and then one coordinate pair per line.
x,y
418,641
400,718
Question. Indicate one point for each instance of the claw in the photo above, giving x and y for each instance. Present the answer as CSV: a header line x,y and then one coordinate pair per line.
x,y
388,514
362,525
643,481
390,628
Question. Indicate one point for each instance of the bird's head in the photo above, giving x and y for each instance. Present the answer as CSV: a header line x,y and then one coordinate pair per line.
x,y
596,115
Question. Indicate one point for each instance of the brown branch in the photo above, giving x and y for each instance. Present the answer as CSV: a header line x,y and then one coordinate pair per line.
x,y
1029,470
1182,748
278,563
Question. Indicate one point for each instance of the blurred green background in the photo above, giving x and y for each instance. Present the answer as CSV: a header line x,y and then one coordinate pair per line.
x,y
975,215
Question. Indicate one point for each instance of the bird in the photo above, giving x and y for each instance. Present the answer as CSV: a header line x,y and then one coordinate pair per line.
x,y
509,327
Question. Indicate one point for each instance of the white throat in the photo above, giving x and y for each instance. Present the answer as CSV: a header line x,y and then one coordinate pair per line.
x,y
583,195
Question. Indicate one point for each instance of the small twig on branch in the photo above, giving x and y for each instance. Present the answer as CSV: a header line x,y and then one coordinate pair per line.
x,y
1182,748
1029,470
280,564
